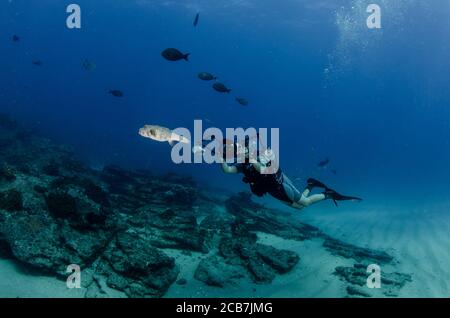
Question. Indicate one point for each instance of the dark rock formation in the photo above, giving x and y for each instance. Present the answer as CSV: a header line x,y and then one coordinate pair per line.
x,y
131,190
95,193
215,271
80,213
62,205
139,269
356,291
34,240
359,254
240,255
259,218
37,240
280,260
11,200
169,227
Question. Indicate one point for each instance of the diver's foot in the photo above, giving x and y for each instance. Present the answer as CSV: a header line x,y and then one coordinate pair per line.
x,y
333,195
313,183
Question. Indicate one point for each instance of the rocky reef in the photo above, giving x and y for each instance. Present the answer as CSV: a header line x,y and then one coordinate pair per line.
x,y
240,255
119,226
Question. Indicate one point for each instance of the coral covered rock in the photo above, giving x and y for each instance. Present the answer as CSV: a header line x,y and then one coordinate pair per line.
x,y
170,228
143,270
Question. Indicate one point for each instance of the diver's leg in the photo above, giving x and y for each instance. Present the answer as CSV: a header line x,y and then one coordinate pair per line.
x,y
306,201
300,200
311,184
306,192
287,192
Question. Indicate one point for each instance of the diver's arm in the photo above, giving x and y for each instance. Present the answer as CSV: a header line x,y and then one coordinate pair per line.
x,y
226,167
229,169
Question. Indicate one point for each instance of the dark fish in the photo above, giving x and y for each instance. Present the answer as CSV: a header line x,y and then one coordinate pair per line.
x,y
116,93
221,88
204,76
334,171
323,163
37,63
197,17
242,101
15,38
172,54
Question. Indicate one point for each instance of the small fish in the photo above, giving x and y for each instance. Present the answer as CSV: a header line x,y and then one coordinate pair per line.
x,y
116,93
37,63
197,17
88,65
161,134
205,76
172,54
15,38
333,171
221,88
242,101
323,163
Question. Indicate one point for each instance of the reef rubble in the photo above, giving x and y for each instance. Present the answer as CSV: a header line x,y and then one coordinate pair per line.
x,y
118,225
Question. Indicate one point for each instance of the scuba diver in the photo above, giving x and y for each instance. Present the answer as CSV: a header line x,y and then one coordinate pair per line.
x,y
278,185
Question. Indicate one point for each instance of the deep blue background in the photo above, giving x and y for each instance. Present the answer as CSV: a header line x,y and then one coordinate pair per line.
x,y
376,102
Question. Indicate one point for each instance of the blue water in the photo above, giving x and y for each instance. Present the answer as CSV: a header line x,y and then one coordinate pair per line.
x,y
376,102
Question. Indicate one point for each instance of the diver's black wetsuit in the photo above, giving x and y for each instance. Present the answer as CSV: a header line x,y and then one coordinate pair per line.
x,y
277,185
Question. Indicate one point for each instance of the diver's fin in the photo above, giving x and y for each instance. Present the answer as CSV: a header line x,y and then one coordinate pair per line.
x,y
313,183
333,195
